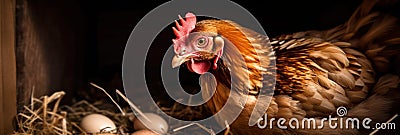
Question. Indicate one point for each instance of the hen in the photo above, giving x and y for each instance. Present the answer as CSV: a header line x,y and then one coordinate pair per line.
x,y
351,65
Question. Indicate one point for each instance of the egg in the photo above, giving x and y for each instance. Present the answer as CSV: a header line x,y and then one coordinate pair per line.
x,y
144,132
95,123
157,124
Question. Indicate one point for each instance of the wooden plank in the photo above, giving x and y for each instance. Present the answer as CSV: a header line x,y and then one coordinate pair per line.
x,y
50,49
8,102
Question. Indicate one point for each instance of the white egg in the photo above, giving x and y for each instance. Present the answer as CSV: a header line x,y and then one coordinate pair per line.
x,y
95,123
157,124
144,132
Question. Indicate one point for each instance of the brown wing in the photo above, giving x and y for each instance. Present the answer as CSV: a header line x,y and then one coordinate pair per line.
x,y
320,75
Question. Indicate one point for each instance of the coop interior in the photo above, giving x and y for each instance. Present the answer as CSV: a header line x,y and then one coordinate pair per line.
x,y
69,45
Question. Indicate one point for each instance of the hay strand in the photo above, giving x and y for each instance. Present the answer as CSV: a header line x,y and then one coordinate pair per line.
x,y
119,107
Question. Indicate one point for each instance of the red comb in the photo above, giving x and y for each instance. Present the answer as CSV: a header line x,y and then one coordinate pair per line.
x,y
186,26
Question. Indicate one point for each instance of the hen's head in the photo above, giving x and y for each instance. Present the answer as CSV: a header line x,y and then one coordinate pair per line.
x,y
198,46
244,52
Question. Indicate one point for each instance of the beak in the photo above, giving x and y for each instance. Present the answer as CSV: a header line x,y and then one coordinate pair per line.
x,y
178,60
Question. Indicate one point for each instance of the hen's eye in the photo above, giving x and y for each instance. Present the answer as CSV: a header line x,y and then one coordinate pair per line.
x,y
201,42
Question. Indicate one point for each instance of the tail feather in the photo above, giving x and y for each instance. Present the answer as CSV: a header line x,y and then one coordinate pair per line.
x,y
362,15
373,32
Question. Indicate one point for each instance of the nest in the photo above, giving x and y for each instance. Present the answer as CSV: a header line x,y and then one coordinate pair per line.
x,y
45,115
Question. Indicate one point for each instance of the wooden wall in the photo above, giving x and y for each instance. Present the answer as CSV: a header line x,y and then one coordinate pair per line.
x,y
7,66
65,44
50,45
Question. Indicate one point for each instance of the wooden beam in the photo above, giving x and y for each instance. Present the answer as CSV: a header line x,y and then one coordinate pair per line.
x,y
8,102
